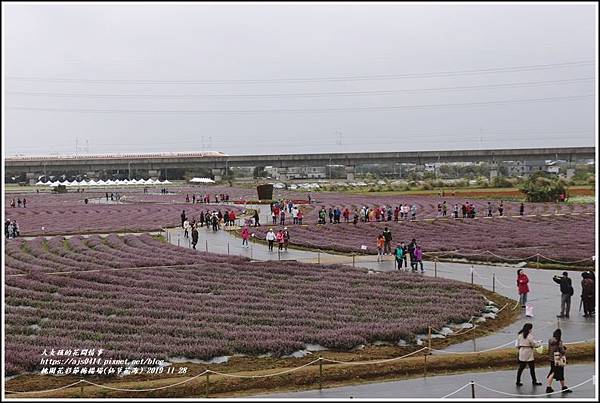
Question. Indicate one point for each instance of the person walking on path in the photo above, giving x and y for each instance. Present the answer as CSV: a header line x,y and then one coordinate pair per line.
x,y
286,238
282,217
387,235
523,287
270,238
24,202
419,258
399,255
455,211
587,294
489,209
186,228
279,238
194,236
182,218
521,209
300,216
501,209
526,345
411,251
245,236
413,212
558,359
444,209
566,291
380,246
256,219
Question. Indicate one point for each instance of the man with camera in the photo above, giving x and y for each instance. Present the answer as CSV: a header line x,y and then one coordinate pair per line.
x,y
566,290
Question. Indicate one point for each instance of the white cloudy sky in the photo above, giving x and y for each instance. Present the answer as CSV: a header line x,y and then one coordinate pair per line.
x,y
287,78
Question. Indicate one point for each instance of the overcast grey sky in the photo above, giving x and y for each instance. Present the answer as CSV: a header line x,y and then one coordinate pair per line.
x,y
287,78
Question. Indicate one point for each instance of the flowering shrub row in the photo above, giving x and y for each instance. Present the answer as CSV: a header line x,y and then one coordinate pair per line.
x,y
208,305
563,238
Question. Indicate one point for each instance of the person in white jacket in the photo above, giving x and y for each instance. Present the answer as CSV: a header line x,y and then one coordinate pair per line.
x,y
186,228
526,345
271,239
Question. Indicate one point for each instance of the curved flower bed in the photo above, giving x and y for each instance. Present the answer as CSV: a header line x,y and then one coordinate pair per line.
x,y
562,238
214,305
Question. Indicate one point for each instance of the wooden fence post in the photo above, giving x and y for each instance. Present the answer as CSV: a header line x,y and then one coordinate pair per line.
x,y
472,389
435,266
207,383
493,282
320,372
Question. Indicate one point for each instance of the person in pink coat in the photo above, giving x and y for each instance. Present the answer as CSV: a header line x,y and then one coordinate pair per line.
x,y
523,287
280,238
245,236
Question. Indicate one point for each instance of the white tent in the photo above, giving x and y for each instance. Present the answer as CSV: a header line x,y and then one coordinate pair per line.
x,y
92,183
141,182
75,183
148,182
111,182
201,180
166,182
55,183
83,183
40,183
101,182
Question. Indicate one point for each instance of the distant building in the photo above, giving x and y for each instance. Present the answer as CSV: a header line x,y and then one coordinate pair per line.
x,y
297,172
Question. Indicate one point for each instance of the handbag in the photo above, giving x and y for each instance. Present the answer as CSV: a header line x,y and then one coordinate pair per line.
x,y
559,359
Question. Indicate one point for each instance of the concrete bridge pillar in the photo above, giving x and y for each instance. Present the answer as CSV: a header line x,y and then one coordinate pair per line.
x,y
282,174
493,170
570,172
218,174
31,177
350,172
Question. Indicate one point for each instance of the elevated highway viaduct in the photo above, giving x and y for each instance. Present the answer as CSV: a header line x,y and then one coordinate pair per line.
x,y
154,163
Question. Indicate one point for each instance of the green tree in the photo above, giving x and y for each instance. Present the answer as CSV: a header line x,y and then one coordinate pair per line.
x,y
541,187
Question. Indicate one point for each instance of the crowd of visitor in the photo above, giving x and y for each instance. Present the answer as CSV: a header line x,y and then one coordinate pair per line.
x,y
11,229
18,203
206,198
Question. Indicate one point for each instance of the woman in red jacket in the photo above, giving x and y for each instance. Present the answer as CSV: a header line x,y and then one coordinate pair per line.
x,y
522,281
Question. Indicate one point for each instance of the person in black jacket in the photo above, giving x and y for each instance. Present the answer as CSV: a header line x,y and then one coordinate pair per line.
x,y
587,294
566,291
411,251
194,236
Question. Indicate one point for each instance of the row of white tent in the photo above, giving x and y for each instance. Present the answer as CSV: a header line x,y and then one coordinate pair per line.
x,y
110,182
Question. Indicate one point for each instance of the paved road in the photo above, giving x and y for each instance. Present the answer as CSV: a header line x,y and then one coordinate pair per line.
x,y
544,295
439,386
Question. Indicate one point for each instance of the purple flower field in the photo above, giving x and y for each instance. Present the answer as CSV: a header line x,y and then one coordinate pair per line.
x,y
99,218
562,238
210,305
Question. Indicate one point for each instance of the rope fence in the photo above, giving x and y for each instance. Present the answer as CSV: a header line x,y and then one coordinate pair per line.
x,y
319,360
472,384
